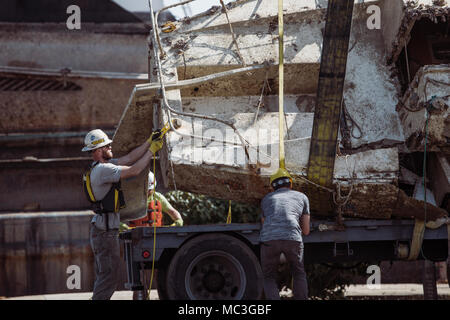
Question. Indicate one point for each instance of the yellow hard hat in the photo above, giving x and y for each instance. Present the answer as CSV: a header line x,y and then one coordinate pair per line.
x,y
280,173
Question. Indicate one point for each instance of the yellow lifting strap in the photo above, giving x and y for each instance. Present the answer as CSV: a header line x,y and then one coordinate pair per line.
x,y
417,239
229,212
165,129
329,98
419,231
281,84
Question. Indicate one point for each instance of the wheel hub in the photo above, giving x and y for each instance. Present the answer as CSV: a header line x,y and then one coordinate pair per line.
x,y
213,281
215,275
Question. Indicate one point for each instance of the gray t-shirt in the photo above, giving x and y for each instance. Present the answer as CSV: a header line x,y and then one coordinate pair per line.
x,y
282,210
102,177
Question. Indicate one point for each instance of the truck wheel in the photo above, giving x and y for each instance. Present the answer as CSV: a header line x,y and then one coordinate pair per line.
x,y
214,267
161,284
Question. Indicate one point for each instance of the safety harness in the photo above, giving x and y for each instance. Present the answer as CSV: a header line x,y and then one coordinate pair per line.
x,y
112,202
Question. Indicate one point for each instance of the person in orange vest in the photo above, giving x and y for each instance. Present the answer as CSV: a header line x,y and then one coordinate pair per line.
x,y
157,204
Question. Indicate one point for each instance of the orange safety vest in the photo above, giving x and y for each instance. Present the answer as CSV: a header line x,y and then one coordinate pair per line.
x,y
153,217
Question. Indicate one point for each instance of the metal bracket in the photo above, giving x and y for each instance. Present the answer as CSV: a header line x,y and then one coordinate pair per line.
x,y
133,272
342,249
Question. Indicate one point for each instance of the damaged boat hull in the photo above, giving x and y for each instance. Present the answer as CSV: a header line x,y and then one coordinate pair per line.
x,y
218,164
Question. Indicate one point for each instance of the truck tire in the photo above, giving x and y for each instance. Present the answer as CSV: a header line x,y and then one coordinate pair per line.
x,y
214,267
161,284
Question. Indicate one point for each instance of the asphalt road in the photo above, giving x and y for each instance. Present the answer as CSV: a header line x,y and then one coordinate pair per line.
x,y
353,291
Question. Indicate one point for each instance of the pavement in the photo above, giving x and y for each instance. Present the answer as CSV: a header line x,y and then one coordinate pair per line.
x,y
352,291
392,290
118,295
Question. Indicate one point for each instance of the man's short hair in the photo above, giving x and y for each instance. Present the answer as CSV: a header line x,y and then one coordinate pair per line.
x,y
281,183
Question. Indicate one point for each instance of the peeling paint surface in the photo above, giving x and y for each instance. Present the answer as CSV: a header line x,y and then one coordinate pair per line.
x,y
429,82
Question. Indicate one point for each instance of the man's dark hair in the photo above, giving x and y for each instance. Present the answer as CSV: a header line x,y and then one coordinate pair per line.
x,y
281,183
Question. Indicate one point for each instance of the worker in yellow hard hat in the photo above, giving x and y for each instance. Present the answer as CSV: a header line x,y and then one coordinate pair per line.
x,y
285,218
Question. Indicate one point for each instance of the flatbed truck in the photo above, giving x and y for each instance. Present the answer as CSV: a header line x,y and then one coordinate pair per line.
x,y
222,261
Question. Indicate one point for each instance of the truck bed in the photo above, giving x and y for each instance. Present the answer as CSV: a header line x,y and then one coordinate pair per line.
x,y
358,236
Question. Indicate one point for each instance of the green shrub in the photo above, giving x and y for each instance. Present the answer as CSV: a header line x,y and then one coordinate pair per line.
x,y
200,209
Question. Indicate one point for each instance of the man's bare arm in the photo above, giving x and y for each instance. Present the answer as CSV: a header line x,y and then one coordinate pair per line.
x,y
134,155
137,167
304,224
174,214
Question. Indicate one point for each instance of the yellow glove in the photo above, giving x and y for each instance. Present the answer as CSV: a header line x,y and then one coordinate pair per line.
x,y
155,146
123,227
155,141
177,223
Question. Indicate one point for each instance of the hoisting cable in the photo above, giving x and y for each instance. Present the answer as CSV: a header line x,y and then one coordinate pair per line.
x,y
419,225
170,110
152,192
232,33
282,163
162,132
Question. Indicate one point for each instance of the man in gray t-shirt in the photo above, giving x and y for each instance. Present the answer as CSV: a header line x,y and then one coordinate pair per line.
x,y
285,217
104,236
103,175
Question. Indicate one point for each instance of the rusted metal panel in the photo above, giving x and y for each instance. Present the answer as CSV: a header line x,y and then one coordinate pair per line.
x,y
37,249
94,102
49,184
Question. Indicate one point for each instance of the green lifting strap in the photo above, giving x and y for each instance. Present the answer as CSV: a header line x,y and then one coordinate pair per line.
x,y
327,113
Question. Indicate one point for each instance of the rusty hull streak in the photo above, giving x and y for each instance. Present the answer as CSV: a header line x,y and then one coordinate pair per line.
x,y
374,200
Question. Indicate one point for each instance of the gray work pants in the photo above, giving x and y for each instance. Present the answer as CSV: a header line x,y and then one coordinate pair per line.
x,y
270,259
105,245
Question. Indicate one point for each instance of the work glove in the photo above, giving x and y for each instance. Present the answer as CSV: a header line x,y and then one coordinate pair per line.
x,y
123,227
177,223
155,141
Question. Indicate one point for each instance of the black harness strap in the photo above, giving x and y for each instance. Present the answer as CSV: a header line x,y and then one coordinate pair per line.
x,y
112,202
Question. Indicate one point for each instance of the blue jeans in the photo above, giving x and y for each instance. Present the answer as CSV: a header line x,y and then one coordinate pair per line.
x,y
105,245
270,259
